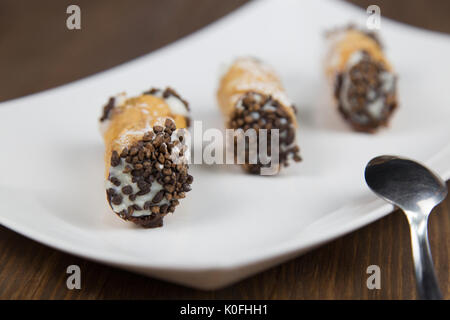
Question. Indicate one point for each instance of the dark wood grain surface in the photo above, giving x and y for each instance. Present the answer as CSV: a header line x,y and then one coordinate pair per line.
x,y
38,52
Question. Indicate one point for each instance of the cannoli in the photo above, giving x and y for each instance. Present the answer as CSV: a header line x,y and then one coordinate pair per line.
x,y
363,80
251,96
145,160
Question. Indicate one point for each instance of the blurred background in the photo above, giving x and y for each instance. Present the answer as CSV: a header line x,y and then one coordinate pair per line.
x,y
38,52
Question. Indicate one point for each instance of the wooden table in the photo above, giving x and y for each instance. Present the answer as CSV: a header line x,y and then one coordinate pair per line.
x,y
38,52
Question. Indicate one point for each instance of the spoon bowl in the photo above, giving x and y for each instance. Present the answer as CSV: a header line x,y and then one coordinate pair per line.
x,y
405,183
416,190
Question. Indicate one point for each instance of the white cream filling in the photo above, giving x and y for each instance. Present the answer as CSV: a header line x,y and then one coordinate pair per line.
x,y
343,97
376,107
175,104
254,115
388,80
355,58
119,99
268,107
126,179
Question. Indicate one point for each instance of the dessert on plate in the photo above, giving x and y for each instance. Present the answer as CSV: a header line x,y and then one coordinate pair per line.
x,y
363,79
146,164
251,96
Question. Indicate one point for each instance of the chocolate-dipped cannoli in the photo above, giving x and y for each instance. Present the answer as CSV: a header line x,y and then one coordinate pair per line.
x,y
146,167
363,80
251,95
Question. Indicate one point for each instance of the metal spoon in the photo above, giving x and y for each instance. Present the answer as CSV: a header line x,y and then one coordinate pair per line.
x,y
416,190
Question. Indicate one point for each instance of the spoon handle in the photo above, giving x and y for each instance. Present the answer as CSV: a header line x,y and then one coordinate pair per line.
x,y
427,284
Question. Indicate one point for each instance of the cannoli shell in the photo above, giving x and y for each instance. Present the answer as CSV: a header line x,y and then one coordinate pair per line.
x,y
131,120
345,43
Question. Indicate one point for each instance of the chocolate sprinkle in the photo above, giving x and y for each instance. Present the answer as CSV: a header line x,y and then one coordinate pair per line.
x,y
252,115
364,78
158,197
127,190
146,157
115,181
115,159
117,199
107,109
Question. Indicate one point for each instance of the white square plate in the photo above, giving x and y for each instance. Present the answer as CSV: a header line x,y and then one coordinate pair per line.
x,y
231,225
